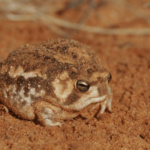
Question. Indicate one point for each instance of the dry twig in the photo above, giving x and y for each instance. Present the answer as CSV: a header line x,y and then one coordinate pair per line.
x,y
49,20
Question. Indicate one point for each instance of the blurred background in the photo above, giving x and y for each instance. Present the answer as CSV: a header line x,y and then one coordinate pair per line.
x,y
90,21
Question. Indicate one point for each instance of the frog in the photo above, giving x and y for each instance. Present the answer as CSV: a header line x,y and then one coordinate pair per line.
x,y
53,81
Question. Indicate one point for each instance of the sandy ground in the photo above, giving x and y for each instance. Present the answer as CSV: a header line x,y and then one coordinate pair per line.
x,y
128,59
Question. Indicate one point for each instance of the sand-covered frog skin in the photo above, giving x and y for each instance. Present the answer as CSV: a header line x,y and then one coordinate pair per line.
x,y
53,81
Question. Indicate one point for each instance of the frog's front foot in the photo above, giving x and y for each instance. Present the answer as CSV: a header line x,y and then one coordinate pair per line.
x,y
107,103
46,114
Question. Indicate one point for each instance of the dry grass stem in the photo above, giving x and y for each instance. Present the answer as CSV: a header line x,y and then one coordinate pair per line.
x,y
62,23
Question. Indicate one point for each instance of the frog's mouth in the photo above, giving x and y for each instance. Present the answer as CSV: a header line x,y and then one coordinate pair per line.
x,y
86,102
96,99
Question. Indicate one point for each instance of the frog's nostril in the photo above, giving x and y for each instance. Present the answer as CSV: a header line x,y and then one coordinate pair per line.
x,y
109,77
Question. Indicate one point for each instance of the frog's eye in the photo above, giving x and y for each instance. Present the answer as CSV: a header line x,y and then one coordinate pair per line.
x,y
109,77
82,86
